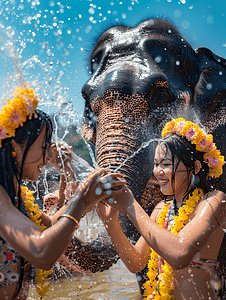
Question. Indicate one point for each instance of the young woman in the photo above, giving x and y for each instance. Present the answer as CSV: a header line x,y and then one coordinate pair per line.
x,y
186,239
25,139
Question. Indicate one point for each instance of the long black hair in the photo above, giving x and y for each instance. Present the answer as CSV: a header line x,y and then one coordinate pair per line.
x,y
28,133
184,151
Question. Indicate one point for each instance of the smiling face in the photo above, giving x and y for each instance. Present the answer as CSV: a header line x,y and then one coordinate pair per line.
x,y
34,160
171,182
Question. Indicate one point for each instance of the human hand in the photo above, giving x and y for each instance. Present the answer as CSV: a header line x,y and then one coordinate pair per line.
x,y
61,157
123,201
99,186
71,189
106,212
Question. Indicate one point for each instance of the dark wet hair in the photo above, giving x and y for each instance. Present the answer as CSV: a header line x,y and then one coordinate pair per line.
x,y
184,151
29,132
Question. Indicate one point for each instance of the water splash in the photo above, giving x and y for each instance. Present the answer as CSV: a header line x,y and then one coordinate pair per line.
x,y
143,145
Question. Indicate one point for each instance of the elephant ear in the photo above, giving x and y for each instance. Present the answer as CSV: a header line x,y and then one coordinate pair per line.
x,y
210,100
210,91
88,125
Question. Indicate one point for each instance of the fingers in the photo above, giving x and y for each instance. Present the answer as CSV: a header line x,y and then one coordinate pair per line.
x,y
70,189
94,177
60,155
60,146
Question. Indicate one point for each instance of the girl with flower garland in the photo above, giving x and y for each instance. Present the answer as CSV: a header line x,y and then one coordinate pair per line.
x,y
25,240
186,239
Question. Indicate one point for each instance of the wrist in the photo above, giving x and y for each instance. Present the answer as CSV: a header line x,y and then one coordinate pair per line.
x,y
76,207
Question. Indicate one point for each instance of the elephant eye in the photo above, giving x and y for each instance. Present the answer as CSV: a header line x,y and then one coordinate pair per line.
x,y
161,95
95,61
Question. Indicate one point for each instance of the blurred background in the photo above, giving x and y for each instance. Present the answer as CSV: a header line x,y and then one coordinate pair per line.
x,y
48,42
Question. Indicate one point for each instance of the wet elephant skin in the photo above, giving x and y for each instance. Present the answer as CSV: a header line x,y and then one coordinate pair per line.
x,y
143,76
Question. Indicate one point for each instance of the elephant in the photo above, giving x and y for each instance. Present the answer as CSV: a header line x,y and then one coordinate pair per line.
x,y
141,77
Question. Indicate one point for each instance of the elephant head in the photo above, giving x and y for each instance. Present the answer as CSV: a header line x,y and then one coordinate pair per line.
x,y
143,76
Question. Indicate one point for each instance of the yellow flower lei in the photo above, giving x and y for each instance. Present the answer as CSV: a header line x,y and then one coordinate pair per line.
x,y
159,287
202,141
15,112
34,213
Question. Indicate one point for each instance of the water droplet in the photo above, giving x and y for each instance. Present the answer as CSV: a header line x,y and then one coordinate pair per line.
x,y
103,180
185,24
109,179
220,73
209,86
169,31
88,28
107,185
126,120
177,62
209,19
158,58
91,11
110,200
98,191
108,192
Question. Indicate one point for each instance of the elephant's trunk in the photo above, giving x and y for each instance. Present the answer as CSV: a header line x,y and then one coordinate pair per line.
x,y
122,129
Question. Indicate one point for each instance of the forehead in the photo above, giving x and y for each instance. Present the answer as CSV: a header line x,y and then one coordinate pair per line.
x,y
162,151
155,29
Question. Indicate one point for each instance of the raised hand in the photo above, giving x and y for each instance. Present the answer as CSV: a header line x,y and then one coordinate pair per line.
x,y
71,189
106,212
61,157
99,186
123,201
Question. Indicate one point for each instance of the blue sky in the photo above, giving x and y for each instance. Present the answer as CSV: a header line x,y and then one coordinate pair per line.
x,y
51,40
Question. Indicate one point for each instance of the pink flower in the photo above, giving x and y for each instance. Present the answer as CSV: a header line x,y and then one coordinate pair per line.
x,y
213,161
2,132
15,116
203,143
172,127
30,109
190,133
180,125
211,146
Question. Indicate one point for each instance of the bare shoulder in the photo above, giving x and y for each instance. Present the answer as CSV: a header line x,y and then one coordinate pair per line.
x,y
216,196
213,204
157,210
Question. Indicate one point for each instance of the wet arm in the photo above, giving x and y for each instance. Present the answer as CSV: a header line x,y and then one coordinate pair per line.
x,y
135,257
178,250
40,248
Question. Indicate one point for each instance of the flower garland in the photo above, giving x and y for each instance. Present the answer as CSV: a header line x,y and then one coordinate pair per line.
x,y
160,273
202,141
34,214
15,112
